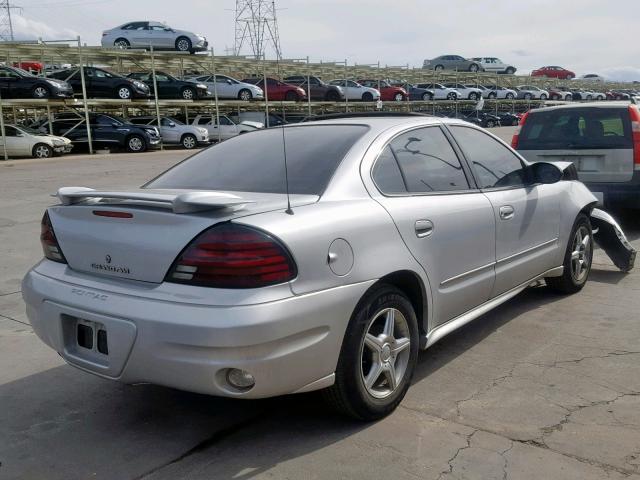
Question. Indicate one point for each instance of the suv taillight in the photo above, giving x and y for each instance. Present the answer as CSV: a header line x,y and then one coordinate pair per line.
x,y
49,242
634,114
233,256
516,134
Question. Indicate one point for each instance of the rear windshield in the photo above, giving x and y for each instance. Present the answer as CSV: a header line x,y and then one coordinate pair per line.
x,y
254,162
577,128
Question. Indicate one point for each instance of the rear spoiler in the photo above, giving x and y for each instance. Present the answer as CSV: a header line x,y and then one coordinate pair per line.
x,y
178,202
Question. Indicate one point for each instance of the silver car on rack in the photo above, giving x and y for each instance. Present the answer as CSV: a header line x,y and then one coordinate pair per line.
x,y
228,87
174,132
158,35
238,274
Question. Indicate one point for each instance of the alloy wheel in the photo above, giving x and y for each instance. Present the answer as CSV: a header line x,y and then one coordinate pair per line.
x,y
124,93
183,45
135,144
187,94
42,151
398,97
189,142
385,352
40,92
245,95
581,254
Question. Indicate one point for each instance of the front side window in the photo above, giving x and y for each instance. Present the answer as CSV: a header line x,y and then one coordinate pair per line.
x,y
494,164
10,132
426,161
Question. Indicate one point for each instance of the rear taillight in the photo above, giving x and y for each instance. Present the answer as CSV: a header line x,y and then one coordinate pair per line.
x,y
516,134
49,242
233,256
634,114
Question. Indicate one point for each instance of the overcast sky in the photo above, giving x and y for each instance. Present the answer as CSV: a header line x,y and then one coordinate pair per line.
x,y
589,36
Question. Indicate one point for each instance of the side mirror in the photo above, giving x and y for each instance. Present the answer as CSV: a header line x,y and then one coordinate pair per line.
x,y
115,125
229,82
18,134
545,172
171,124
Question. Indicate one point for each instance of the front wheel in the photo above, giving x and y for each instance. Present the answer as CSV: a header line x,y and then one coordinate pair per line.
x,y
473,96
510,96
528,96
291,96
398,97
543,97
42,150
136,144
40,91
491,124
427,96
124,93
378,356
510,71
473,68
189,141
245,95
188,94
183,44
452,96
367,97
577,259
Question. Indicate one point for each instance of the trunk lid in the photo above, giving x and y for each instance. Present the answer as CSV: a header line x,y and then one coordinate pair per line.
x,y
137,234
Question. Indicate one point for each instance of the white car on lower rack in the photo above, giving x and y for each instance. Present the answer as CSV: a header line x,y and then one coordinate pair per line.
x,y
495,91
26,142
227,128
469,92
354,91
174,132
440,92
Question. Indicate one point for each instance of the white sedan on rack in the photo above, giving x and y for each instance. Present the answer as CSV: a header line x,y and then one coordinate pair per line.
x,y
440,92
226,128
228,87
466,91
25,142
354,91
174,132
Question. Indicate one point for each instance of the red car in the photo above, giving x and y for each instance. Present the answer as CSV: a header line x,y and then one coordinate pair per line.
x,y
554,72
33,67
277,90
387,92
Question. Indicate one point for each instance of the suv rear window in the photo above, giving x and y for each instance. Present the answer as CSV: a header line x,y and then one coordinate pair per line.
x,y
254,162
577,128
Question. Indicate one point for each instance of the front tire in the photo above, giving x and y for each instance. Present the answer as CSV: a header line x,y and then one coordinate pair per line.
x,y
473,68
452,96
473,96
125,93
398,97
528,96
367,97
136,144
510,96
577,259
291,96
245,95
427,97
183,44
188,94
42,150
378,356
40,91
189,141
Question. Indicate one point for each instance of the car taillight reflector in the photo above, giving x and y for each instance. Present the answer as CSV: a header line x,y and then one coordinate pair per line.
x,y
233,256
112,214
49,242
516,134
634,113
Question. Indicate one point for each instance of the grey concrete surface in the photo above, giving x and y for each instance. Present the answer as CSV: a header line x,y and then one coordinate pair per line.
x,y
543,387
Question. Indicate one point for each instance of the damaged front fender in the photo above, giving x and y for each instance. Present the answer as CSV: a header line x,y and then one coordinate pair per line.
x,y
610,237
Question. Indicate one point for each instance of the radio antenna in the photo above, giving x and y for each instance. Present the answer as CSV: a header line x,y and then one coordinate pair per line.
x,y
288,211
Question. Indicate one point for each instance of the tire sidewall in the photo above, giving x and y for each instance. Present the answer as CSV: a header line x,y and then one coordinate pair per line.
x,y
348,372
37,145
195,141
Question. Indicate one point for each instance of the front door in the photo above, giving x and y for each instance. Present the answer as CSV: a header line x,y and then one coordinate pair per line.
x,y
526,214
447,224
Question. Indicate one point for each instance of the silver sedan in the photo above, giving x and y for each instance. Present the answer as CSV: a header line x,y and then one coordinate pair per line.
x,y
225,279
153,34
229,87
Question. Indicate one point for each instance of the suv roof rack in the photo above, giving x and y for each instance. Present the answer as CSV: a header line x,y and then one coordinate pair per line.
x,y
335,116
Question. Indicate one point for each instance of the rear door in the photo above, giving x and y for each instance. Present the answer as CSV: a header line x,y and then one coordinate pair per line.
x,y
526,215
598,140
14,141
447,224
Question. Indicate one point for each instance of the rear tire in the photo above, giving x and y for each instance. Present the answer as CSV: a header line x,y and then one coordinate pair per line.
x,y
577,259
122,43
427,96
452,96
42,150
439,68
528,96
510,96
376,362
333,96
398,97
189,141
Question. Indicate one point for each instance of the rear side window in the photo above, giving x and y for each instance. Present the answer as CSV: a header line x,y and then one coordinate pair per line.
x,y
426,163
255,162
577,128
495,165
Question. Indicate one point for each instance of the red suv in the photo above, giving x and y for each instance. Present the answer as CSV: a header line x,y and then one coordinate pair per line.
x,y
387,92
277,90
554,72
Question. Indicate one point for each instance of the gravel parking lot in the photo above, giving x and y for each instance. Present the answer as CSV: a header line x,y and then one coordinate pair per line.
x,y
545,386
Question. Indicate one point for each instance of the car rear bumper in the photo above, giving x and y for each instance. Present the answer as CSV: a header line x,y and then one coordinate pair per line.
x,y
289,345
624,194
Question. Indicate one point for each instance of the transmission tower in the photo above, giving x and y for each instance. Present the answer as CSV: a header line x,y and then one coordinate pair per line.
x,y
6,26
256,24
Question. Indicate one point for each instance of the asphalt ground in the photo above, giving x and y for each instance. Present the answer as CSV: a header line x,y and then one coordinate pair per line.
x,y
545,386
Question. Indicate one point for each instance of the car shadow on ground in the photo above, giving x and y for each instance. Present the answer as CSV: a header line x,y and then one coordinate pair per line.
x,y
63,423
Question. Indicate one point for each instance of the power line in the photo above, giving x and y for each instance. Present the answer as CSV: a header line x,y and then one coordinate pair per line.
x,y
6,26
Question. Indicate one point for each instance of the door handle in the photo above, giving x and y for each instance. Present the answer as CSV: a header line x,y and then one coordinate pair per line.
x,y
506,212
424,228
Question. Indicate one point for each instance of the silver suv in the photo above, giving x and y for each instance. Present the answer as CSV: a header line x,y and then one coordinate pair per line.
x,y
602,140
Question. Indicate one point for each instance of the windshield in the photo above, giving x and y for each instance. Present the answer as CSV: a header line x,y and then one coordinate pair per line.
x,y
22,72
31,131
255,163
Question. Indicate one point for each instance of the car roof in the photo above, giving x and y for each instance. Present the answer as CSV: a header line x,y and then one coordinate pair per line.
x,y
619,104
380,124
